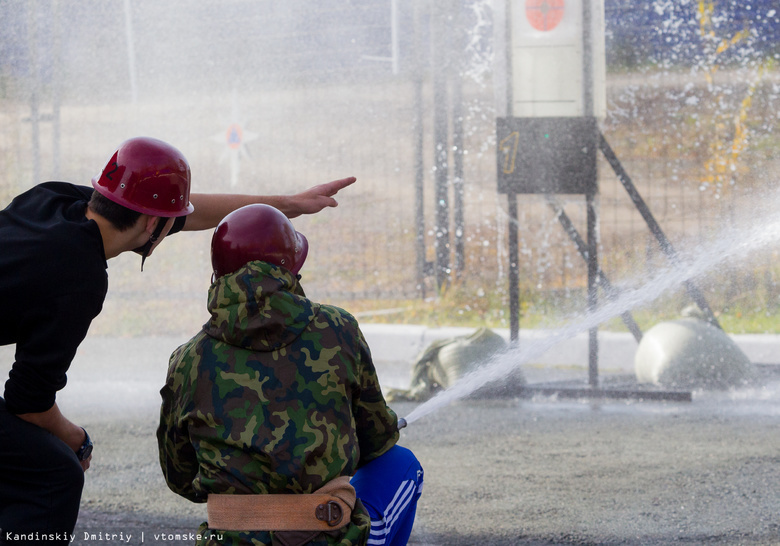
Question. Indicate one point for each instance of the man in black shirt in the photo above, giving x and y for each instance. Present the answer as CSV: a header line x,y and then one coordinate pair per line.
x,y
56,239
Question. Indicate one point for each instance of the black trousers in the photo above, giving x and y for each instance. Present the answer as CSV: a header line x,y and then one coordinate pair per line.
x,y
41,481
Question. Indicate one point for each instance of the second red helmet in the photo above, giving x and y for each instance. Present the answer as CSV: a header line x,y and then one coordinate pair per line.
x,y
257,232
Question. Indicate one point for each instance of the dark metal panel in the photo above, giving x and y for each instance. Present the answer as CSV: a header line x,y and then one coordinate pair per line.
x,y
547,155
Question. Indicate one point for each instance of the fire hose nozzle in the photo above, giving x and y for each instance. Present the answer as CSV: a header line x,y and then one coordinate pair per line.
x,y
401,423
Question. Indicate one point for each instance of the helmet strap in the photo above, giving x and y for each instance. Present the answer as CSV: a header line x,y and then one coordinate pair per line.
x,y
147,247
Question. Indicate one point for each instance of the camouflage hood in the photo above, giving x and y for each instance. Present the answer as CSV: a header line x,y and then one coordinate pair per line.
x,y
260,307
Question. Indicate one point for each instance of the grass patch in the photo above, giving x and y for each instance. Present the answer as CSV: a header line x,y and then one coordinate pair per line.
x,y
473,309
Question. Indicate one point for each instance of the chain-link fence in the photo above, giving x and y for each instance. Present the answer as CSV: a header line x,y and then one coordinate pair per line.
x,y
273,97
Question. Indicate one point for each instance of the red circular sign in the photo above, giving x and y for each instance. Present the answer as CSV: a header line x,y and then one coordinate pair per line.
x,y
544,15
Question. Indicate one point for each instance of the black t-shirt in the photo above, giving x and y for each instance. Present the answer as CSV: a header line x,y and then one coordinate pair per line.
x,y
53,282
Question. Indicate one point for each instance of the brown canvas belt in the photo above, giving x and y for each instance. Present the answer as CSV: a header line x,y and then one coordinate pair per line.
x,y
328,508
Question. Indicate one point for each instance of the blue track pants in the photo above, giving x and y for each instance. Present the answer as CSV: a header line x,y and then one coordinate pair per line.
x,y
389,487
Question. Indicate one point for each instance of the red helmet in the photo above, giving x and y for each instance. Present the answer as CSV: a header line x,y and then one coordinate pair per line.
x,y
257,232
148,176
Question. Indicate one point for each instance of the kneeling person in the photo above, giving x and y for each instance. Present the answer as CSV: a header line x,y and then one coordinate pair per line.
x,y
273,412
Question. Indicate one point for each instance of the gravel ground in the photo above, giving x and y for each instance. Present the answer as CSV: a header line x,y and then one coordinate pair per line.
x,y
520,472
517,471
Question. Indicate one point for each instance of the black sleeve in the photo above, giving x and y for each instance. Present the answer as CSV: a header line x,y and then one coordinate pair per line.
x,y
52,335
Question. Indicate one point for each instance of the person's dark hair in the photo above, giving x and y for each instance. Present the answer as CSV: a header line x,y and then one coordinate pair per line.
x,y
122,218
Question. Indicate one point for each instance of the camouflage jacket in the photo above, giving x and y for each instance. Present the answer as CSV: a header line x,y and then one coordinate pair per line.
x,y
277,394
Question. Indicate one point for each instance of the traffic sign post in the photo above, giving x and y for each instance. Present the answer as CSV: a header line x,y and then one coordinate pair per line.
x,y
548,138
550,100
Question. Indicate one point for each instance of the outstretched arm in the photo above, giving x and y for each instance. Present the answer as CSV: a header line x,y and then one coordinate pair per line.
x,y
210,208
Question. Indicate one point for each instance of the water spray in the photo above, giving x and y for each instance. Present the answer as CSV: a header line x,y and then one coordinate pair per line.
x,y
729,246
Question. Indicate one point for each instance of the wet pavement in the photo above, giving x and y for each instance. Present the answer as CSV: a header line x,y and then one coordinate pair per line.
x,y
522,470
